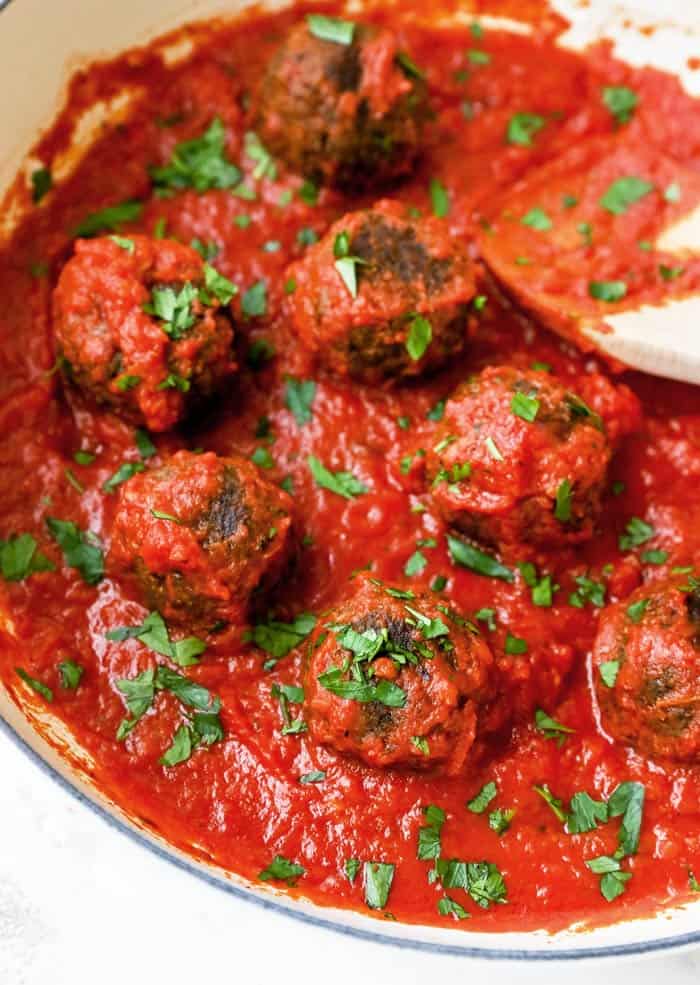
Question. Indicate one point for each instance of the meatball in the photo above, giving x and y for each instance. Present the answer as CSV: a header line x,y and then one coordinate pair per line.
x,y
518,460
405,313
396,681
349,114
200,535
139,326
647,670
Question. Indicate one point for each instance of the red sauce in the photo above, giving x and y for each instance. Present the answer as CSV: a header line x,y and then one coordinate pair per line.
x,y
240,802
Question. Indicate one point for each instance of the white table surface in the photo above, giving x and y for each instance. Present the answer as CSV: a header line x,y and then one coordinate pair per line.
x,y
81,904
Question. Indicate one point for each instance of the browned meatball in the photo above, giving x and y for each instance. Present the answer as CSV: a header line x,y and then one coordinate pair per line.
x,y
347,113
200,535
647,670
407,312
519,460
139,325
396,681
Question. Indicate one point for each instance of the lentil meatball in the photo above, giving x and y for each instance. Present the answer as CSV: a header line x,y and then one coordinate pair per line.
x,y
396,682
408,313
519,460
647,670
200,535
350,115
138,328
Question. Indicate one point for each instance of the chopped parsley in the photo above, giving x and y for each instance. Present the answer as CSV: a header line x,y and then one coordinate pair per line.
x,y
80,550
672,192
38,686
500,819
153,633
587,591
551,728
377,878
621,101
299,398
416,564
478,804
200,163
19,558
124,472
286,694
342,483
70,673
429,834
439,198
281,869
624,192
635,612
313,776
562,501
482,880
280,638
537,219
637,532
420,334
331,28
522,127
265,166
467,556
608,671
109,219
254,300
525,406
553,802
607,290
449,907
42,183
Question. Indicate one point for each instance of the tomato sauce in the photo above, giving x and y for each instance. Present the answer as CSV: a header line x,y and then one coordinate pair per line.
x,y
239,803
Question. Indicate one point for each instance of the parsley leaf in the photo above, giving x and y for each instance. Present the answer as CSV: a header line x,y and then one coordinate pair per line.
x,y
200,163
585,813
299,398
377,878
279,638
254,300
608,672
420,334
124,472
551,728
35,684
482,800
467,556
180,749
522,127
525,406
482,880
331,28
440,198
281,869
70,673
637,532
78,550
153,633
109,219
621,101
450,907
607,290
42,183
429,834
19,558
342,483
624,192
537,219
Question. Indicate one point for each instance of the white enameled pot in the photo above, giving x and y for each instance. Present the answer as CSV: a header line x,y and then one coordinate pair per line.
x,y
40,45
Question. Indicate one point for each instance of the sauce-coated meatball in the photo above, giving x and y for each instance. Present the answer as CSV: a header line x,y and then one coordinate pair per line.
x,y
396,682
349,114
200,535
519,460
647,670
138,327
408,312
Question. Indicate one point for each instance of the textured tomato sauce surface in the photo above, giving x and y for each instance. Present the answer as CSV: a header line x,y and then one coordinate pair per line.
x,y
313,563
